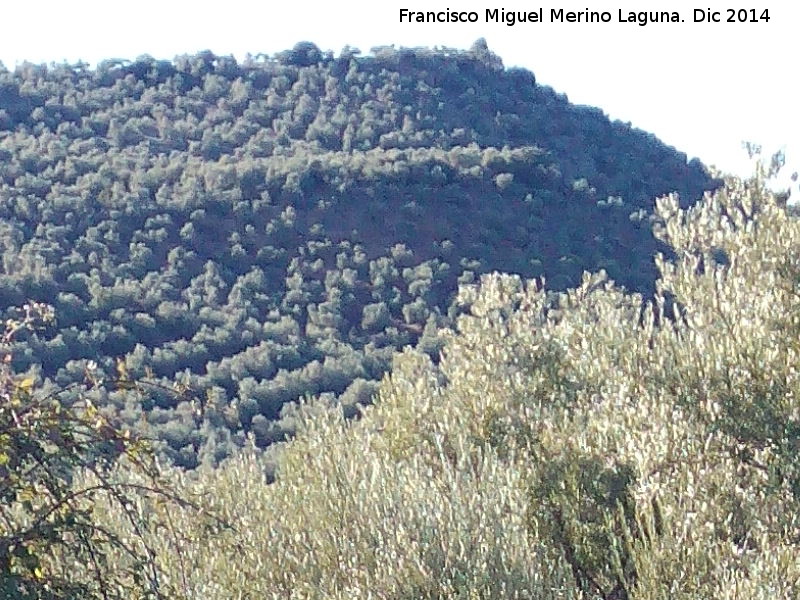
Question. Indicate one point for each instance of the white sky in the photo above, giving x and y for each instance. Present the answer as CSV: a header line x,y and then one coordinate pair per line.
x,y
701,87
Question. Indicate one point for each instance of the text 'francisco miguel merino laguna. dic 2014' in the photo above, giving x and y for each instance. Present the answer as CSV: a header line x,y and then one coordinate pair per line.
x,y
559,15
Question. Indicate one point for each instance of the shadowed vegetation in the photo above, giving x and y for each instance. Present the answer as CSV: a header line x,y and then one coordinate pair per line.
x,y
261,231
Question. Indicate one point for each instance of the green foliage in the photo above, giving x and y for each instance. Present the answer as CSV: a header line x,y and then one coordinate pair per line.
x,y
55,466
298,217
579,446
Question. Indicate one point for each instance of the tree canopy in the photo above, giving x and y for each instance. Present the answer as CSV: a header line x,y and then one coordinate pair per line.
x,y
264,230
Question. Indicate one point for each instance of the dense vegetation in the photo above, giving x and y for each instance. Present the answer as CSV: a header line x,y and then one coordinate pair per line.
x,y
44,511
262,231
589,448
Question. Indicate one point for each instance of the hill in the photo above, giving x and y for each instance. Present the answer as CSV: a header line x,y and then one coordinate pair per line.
x,y
576,448
260,231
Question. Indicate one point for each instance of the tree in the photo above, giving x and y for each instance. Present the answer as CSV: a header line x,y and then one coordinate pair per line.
x,y
55,461
303,54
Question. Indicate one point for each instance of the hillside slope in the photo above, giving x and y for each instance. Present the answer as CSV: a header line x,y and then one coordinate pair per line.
x,y
280,227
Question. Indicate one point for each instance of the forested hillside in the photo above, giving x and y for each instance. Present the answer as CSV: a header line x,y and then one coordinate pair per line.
x,y
254,232
585,448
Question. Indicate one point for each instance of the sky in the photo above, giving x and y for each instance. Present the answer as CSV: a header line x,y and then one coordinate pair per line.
x,y
703,87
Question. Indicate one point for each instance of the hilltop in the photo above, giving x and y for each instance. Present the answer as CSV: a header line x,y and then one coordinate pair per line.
x,y
263,230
